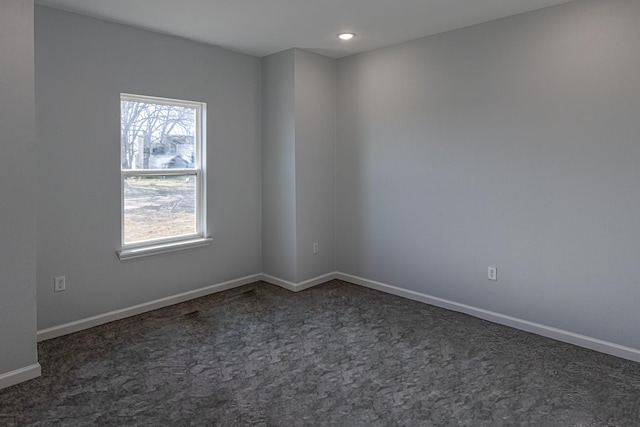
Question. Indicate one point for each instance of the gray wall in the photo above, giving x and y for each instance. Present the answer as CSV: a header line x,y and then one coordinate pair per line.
x,y
17,188
82,66
279,166
315,101
512,144
298,165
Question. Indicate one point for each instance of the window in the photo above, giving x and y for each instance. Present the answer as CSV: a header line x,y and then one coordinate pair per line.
x,y
162,169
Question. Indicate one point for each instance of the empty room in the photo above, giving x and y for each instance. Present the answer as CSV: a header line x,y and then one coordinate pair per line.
x,y
355,212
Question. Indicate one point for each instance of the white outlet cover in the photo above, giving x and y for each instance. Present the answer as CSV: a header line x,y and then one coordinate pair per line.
x,y
59,284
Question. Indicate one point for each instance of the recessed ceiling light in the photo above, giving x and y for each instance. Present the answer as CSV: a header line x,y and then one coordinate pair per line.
x,y
346,36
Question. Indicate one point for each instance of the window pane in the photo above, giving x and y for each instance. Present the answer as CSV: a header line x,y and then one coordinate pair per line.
x,y
159,207
157,136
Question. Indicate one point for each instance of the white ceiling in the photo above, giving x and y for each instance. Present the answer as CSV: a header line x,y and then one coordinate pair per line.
x,y
262,27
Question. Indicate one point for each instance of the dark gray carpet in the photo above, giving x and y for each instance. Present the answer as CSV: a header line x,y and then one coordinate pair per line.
x,y
336,354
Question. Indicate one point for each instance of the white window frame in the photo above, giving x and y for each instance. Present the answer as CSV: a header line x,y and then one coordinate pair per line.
x,y
185,241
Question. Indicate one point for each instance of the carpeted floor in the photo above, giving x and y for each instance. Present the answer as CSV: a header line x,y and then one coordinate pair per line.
x,y
336,354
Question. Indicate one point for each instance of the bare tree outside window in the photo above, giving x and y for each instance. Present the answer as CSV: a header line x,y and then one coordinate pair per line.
x,y
151,134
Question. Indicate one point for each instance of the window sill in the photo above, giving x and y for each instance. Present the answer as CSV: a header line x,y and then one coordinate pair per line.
x,y
144,251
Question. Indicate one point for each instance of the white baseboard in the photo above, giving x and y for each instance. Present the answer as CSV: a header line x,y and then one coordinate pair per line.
x,y
111,316
524,325
100,319
297,287
20,375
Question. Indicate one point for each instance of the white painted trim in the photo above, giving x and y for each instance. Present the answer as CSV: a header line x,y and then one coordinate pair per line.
x,y
162,248
156,246
111,316
524,325
299,286
20,375
33,371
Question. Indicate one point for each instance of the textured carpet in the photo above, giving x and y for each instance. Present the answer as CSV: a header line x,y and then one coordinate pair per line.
x,y
336,354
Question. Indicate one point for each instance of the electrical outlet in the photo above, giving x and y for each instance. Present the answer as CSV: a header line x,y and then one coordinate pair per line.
x,y
492,273
316,248
59,284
